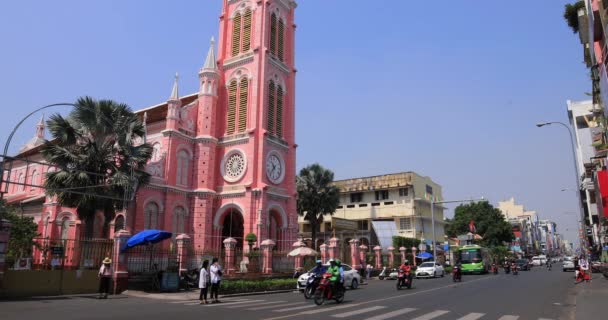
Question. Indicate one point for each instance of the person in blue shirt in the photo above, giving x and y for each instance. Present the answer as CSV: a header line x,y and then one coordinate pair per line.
x,y
319,269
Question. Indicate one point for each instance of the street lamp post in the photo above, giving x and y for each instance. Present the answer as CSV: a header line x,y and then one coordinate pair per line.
x,y
433,203
576,177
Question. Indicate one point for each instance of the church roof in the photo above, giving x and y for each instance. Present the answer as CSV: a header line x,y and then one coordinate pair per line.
x,y
159,112
211,61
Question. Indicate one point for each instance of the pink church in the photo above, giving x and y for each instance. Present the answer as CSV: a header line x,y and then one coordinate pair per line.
x,y
224,157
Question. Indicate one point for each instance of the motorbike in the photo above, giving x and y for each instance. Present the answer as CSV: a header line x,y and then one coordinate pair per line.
x,y
404,279
514,269
324,291
384,273
189,279
457,274
507,269
494,269
311,285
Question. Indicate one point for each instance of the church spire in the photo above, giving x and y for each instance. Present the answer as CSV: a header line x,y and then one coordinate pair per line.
x,y
211,62
40,128
174,92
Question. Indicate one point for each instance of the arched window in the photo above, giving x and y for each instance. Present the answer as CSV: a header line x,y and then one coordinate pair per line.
x,y
236,34
273,33
183,168
281,41
231,114
271,101
151,216
247,30
179,220
243,95
119,223
21,182
279,128
65,227
35,180
46,226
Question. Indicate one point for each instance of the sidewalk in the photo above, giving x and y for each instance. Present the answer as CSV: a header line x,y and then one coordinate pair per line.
x,y
591,298
192,295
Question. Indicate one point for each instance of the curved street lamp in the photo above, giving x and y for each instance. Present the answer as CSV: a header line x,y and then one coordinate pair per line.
x,y
576,177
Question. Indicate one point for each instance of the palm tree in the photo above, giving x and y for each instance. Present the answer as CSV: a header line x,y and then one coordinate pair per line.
x,y
98,164
317,196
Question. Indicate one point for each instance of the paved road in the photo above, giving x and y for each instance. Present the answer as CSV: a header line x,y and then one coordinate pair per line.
x,y
537,294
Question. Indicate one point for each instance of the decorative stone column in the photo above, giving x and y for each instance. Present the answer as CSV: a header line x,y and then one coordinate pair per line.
x,y
354,254
334,248
363,253
298,258
378,252
391,256
267,246
182,242
120,260
229,258
414,255
402,251
324,253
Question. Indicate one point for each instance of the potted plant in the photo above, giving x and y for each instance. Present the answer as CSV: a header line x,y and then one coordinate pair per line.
x,y
251,239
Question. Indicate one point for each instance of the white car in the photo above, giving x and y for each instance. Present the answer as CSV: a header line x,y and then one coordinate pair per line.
x,y
537,261
568,264
429,269
352,278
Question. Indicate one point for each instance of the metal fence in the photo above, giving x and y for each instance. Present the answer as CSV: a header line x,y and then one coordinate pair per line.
x,y
281,263
150,259
70,253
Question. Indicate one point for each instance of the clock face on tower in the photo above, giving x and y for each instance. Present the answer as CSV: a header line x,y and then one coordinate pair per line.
x,y
234,165
275,167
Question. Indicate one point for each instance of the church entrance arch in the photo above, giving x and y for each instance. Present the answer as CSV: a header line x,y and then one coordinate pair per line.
x,y
275,227
233,226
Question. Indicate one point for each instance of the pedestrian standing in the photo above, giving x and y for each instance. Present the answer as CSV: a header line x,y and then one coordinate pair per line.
x,y
362,270
203,282
104,275
368,271
216,278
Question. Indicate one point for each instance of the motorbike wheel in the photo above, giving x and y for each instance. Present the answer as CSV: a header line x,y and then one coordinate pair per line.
x,y
319,297
381,277
308,292
398,284
340,296
409,284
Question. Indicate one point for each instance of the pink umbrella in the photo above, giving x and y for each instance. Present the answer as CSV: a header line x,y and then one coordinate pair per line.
x,y
302,252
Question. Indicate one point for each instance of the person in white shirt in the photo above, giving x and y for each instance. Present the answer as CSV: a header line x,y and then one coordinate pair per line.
x,y
216,278
203,282
105,276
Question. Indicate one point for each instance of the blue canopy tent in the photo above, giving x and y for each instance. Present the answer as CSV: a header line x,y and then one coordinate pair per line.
x,y
146,237
424,255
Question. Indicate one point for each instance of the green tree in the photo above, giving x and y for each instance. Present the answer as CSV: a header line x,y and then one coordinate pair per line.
x,y
408,243
489,222
317,196
22,234
98,163
571,14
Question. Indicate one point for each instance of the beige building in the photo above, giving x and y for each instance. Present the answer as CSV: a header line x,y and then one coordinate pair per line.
x,y
374,209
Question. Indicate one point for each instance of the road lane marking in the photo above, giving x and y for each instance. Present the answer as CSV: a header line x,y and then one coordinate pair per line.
x,y
508,318
224,304
254,304
432,315
279,306
399,296
296,308
472,316
391,314
193,300
356,312
321,310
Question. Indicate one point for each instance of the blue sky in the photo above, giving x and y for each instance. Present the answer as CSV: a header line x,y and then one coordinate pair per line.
x,y
449,89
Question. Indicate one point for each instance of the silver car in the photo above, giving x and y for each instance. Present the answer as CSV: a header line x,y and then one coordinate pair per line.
x,y
568,264
352,278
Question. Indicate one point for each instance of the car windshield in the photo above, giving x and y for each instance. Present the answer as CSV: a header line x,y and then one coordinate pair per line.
x,y
567,259
427,265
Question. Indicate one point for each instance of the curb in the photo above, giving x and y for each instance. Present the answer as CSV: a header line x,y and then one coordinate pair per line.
x,y
184,295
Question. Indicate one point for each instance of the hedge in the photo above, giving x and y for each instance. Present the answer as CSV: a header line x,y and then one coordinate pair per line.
x,y
246,286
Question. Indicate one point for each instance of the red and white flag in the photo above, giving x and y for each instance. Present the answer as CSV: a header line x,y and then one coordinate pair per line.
x,y
472,227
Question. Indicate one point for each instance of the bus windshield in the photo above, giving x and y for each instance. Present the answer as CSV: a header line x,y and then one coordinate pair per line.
x,y
470,256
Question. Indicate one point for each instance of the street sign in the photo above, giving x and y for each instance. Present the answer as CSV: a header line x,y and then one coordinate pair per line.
x,y
344,224
57,251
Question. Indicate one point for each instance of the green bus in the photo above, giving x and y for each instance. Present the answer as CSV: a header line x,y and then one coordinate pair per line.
x,y
474,259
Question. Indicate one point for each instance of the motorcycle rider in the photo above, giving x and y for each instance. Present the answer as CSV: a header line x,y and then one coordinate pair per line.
x,y
406,268
341,270
335,274
319,269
